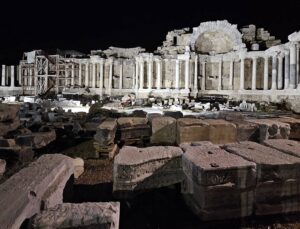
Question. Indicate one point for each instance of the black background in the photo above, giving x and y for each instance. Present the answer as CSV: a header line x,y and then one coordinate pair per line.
x,y
85,25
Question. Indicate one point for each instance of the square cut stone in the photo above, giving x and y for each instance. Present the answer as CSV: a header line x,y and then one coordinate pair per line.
x,y
271,164
106,131
246,131
221,131
163,130
192,130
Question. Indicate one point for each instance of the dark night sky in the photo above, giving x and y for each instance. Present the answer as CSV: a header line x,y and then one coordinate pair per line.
x,y
27,25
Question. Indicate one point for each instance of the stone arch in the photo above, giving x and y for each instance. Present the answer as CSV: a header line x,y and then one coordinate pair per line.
x,y
216,37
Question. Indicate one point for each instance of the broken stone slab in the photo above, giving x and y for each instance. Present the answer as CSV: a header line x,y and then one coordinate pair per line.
x,y
106,132
221,131
108,151
8,112
163,131
36,187
294,124
78,167
84,215
36,140
16,153
191,130
208,165
125,122
147,168
2,167
271,129
271,164
284,145
246,131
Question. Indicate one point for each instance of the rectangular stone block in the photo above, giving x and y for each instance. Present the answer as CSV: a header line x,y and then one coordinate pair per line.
x,y
36,140
221,131
284,145
246,131
294,124
271,129
147,168
163,130
16,153
40,185
208,165
106,131
84,215
271,164
192,130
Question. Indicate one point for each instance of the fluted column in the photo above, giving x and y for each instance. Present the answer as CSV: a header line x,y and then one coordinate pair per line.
x,y
12,76
242,75
280,73
101,76
86,74
30,76
187,73
66,75
293,66
266,73
220,76
230,86
177,74
141,74
158,71
286,69
19,75
150,64
274,72
203,76
121,76
3,76
196,74
254,65
79,74
136,74
94,75
110,76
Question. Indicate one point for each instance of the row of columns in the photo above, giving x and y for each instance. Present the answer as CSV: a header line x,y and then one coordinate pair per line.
x,y
4,75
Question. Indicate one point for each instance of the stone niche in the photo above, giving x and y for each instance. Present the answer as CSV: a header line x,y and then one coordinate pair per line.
x,y
214,42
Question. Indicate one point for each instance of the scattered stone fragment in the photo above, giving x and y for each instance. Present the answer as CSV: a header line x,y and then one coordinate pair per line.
x,y
78,167
36,140
294,124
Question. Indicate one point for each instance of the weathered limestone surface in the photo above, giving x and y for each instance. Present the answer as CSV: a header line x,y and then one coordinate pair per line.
x,y
246,131
40,185
271,129
284,145
106,132
277,190
36,140
294,124
87,215
221,131
217,183
192,130
8,112
2,167
78,167
147,168
163,130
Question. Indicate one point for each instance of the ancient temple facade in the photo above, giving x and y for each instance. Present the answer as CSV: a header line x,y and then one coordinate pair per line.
x,y
214,58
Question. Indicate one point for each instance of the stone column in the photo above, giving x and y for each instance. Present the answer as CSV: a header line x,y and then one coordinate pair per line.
x,y
141,73
158,71
220,75
66,75
203,76
79,74
242,77
177,74
136,74
293,67
93,75
12,76
187,73
274,72
266,73
297,61
20,75
30,76
73,75
150,64
230,86
121,76
86,74
110,76
101,76
254,66
286,69
196,74
3,76
280,73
